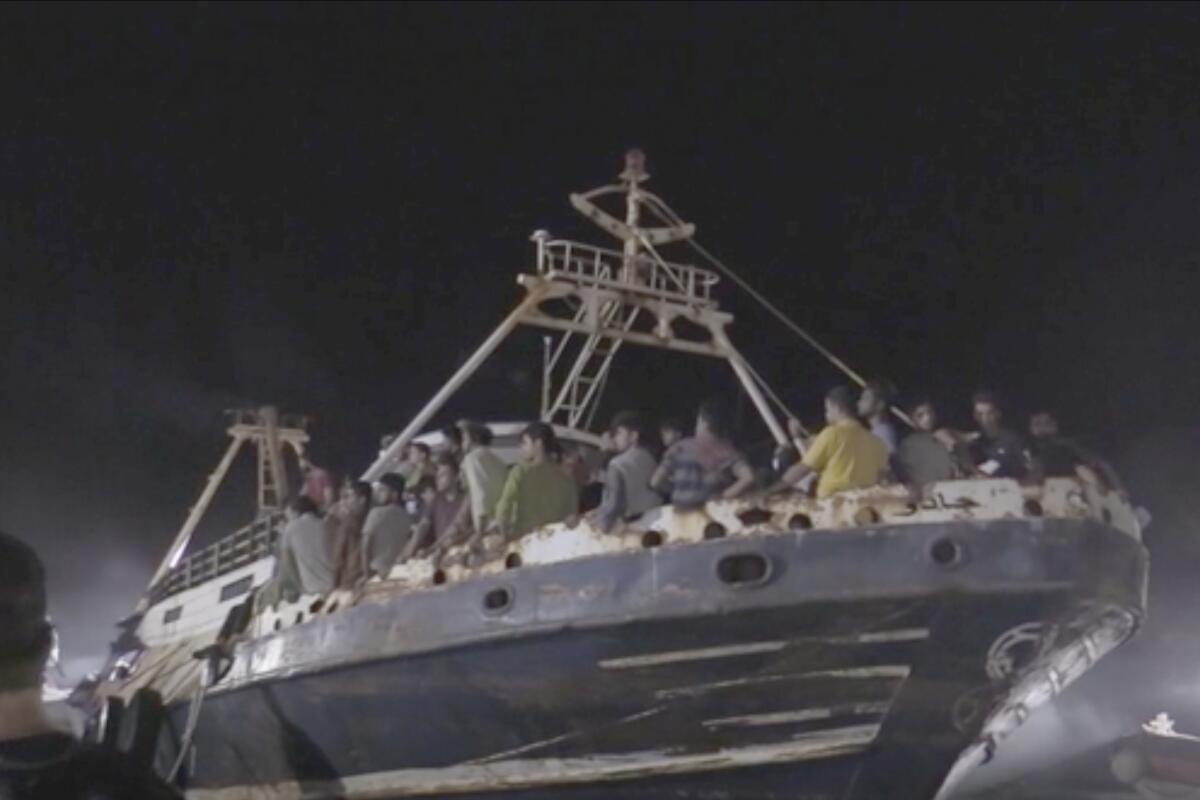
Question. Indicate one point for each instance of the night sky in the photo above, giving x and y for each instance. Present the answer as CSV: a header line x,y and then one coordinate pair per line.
x,y
213,206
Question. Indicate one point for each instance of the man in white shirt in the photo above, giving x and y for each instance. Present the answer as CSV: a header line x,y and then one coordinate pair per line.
x,y
484,474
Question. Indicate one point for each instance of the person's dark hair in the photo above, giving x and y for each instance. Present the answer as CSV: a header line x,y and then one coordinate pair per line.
x,y
453,436
313,454
424,448
883,389
394,481
25,635
984,396
714,416
480,434
841,398
446,460
630,421
362,489
426,484
673,424
544,433
921,401
303,504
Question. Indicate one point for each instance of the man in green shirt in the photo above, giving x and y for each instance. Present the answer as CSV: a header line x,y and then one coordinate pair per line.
x,y
537,491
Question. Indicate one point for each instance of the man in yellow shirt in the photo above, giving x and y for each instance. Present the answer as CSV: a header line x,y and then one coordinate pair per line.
x,y
845,455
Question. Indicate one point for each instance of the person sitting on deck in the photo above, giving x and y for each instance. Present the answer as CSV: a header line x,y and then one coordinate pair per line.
x,y
537,491
844,455
995,451
704,466
927,454
1061,457
38,761
874,406
670,431
627,493
442,509
345,521
388,527
306,564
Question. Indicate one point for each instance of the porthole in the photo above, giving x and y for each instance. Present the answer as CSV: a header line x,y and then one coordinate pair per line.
x,y
497,600
743,569
652,539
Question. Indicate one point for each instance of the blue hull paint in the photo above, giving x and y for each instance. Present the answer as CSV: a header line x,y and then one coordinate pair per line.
x,y
432,721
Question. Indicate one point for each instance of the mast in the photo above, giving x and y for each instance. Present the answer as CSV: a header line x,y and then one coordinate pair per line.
x,y
599,299
269,433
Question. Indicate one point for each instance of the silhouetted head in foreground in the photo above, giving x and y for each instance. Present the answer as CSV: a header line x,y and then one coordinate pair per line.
x,y
25,635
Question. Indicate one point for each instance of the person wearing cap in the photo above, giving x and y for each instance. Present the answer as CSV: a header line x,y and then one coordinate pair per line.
x,y
388,528
627,493
37,761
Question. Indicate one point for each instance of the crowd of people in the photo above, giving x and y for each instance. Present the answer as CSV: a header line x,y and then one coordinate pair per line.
x,y
463,492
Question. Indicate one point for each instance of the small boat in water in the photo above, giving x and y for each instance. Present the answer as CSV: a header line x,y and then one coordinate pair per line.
x,y
864,645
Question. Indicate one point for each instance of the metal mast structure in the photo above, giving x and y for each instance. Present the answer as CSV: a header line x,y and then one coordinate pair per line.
x,y
269,433
599,299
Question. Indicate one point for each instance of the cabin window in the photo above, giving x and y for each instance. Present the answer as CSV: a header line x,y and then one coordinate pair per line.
x,y
237,588
172,615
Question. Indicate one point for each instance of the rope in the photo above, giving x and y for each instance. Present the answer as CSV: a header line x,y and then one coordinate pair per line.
x,y
792,326
787,321
762,384
758,379
193,721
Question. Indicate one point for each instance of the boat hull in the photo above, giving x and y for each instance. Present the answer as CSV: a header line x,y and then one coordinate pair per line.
x,y
860,664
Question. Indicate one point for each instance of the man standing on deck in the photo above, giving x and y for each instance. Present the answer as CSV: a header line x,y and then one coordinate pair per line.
x,y
874,406
705,466
627,493
537,491
996,451
37,761
388,527
927,454
306,558
844,455
441,512
484,473
318,483
1061,457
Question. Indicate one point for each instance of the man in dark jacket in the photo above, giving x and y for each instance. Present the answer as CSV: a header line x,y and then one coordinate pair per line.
x,y
38,762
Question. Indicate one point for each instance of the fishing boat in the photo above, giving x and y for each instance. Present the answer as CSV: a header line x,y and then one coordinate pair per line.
x,y
872,644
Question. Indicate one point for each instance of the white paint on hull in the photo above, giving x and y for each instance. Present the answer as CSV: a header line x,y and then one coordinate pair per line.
x,y
699,654
531,773
887,671
752,648
797,715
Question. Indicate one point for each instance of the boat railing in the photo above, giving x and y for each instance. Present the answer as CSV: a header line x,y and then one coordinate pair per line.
x,y
242,547
599,266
